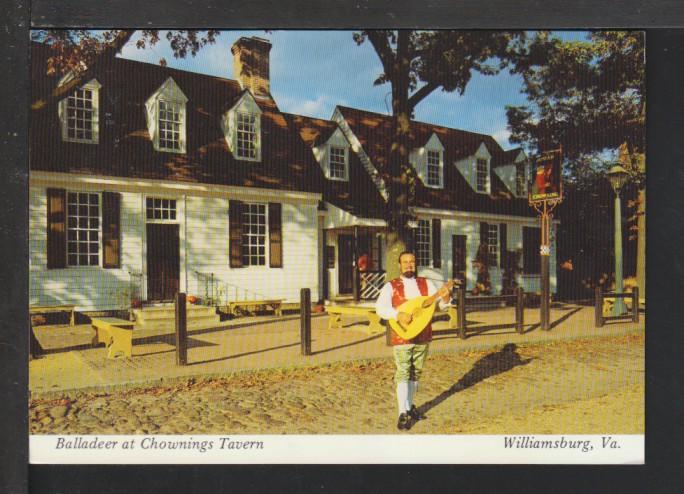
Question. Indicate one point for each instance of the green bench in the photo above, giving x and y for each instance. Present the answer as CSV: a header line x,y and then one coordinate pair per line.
x,y
115,333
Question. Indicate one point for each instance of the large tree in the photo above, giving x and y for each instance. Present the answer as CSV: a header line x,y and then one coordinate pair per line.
x,y
588,97
415,64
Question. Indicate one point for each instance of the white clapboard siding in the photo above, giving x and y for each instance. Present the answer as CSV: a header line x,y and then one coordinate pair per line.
x,y
208,252
89,288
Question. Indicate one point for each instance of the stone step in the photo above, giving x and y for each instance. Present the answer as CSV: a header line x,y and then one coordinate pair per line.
x,y
169,323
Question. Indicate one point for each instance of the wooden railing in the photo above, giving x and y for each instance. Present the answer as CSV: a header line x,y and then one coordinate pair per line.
x,y
371,284
216,293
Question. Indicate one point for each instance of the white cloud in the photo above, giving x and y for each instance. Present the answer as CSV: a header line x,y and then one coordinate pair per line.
x,y
501,136
320,107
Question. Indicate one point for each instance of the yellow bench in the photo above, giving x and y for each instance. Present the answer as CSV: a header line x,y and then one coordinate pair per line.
x,y
453,317
608,303
336,311
250,306
116,334
46,309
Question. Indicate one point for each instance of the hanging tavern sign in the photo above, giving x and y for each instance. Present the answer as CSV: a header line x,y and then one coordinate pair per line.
x,y
546,183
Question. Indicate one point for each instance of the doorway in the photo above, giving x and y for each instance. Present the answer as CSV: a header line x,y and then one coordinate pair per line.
x,y
458,258
345,249
163,262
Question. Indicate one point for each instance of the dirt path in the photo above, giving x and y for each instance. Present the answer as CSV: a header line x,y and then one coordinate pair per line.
x,y
593,385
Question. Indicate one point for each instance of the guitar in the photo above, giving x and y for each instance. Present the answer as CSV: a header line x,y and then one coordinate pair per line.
x,y
421,309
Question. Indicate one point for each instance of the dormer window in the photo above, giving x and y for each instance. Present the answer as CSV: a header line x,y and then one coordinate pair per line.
x,y
482,172
520,181
247,136
166,118
242,129
434,168
170,122
338,162
79,114
428,161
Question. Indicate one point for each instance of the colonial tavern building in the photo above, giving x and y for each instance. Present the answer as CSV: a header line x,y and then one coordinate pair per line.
x,y
150,180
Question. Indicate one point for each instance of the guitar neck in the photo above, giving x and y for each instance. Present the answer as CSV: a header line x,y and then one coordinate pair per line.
x,y
432,298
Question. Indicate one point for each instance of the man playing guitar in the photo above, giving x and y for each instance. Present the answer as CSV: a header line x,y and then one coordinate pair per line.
x,y
409,355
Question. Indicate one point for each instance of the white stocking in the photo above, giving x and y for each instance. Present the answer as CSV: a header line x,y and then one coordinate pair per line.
x,y
403,397
412,388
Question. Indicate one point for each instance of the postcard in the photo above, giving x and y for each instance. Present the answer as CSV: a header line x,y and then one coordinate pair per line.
x,y
371,246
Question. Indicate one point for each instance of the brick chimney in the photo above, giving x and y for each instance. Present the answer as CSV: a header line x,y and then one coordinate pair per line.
x,y
251,64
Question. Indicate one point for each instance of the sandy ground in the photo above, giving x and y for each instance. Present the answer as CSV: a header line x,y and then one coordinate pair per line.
x,y
589,385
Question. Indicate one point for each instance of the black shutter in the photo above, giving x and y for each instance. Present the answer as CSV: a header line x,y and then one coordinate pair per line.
x,y
484,242
235,234
275,235
111,231
56,228
502,243
436,243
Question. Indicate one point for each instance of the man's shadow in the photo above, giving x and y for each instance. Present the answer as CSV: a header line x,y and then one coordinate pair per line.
x,y
488,366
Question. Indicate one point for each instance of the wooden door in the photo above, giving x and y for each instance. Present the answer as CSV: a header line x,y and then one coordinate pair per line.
x,y
345,248
163,262
458,258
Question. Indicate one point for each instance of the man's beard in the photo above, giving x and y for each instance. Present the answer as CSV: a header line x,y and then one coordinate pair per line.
x,y
409,274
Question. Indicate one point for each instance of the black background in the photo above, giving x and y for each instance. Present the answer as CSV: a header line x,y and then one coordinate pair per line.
x,y
665,272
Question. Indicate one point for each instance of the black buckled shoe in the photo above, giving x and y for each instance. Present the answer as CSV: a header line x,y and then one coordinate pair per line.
x,y
415,414
404,422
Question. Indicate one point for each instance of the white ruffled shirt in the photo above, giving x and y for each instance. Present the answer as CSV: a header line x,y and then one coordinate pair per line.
x,y
383,306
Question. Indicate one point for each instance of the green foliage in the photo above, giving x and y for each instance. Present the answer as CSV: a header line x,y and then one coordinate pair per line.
x,y
586,96
416,63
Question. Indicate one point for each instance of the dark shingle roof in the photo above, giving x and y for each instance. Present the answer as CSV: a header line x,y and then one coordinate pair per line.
x,y
125,147
374,132
359,195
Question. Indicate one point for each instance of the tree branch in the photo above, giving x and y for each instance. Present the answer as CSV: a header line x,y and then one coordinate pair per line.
x,y
382,47
419,95
109,51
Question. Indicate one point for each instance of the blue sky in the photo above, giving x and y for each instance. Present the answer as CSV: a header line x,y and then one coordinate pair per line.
x,y
312,71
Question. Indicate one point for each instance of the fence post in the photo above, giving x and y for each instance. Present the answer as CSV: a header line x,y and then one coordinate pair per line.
x,y
519,309
305,320
635,304
598,308
181,330
461,312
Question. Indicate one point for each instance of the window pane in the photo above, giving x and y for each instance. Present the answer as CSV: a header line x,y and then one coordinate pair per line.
x,y
246,135
83,221
423,243
80,115
254,235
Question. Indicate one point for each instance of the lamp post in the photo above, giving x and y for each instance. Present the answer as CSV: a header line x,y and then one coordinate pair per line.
x,y
618,177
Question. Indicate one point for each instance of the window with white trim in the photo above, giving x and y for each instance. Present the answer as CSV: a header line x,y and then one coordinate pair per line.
x,y
337,160
493,243
520,182
170,125
254,223
481,175
166,118
424,243
247,137
83,229
159,209
79,114
434,168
